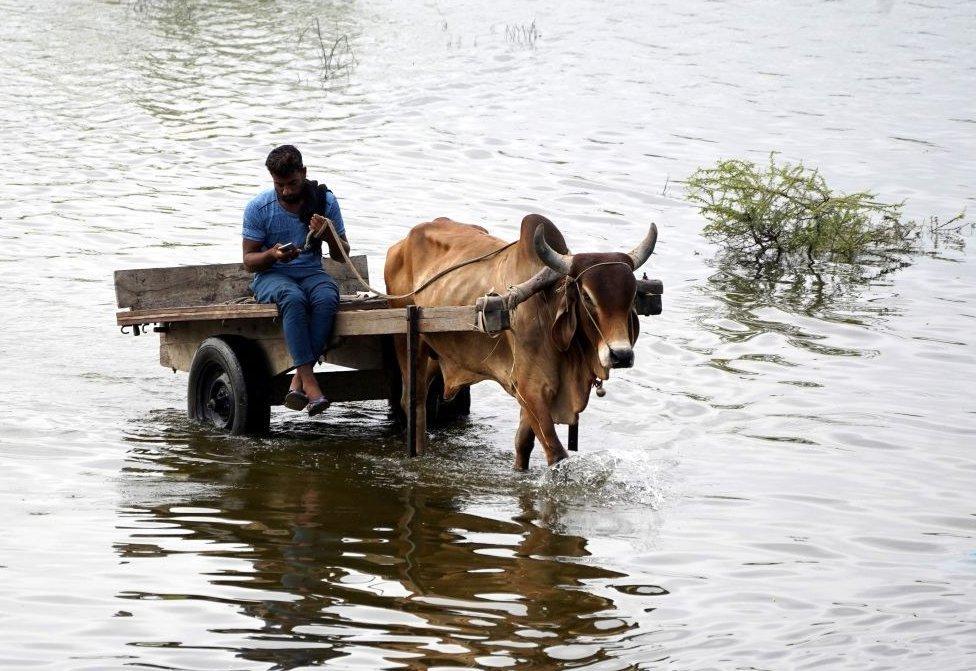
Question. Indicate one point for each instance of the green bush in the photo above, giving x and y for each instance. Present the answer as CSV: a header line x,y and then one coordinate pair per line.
x,y
786,213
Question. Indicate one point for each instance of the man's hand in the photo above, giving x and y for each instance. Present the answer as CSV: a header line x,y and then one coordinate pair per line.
x,y
256,260
284,255
323,229
320,226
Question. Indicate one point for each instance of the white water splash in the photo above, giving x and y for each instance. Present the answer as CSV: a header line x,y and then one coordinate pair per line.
x,y
605,478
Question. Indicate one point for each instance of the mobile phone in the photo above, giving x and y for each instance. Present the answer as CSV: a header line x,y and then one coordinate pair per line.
x,y
287,247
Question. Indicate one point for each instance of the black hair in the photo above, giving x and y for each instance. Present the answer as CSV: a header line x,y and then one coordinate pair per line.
x,y
284,160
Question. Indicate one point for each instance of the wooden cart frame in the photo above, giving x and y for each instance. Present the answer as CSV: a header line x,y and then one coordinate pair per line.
x,y
235,352
236,355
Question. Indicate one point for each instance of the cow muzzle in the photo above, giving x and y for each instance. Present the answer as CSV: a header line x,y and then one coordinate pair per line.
x,y
617,355
621,358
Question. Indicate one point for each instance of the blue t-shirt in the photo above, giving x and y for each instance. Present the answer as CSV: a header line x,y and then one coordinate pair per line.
x,y
267,222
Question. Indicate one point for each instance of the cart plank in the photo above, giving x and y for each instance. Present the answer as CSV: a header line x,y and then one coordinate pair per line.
x,y
216,283
197,313
351,321
394,321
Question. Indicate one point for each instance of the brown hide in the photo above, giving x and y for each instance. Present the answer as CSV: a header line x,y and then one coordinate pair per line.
x,y
544,361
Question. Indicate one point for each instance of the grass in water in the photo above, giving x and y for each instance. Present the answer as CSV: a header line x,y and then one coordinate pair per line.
x,y
523,35
784,214
336,54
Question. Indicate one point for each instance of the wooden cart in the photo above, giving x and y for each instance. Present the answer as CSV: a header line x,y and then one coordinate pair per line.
x,y
235,353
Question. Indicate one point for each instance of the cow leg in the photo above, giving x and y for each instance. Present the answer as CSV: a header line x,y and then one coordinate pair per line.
x,y
400,348
524,442
540,419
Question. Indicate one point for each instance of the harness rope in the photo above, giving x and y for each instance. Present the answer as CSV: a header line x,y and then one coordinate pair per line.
x,y
379,294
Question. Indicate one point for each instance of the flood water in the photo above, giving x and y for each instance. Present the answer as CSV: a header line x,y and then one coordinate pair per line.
x,y
785,480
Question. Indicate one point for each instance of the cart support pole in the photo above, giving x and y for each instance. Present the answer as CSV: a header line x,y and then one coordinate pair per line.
x,y
413,342
573,437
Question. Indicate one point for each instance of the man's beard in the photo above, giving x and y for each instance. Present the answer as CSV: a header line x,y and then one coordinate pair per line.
x,y
292,198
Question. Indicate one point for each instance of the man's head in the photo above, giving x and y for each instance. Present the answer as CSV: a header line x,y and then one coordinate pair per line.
x,y
288,173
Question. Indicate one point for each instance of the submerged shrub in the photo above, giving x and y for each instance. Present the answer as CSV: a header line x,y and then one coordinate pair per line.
x,y
785,213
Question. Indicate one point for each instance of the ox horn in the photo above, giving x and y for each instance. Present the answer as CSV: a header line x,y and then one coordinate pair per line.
x,y
561,263
643,251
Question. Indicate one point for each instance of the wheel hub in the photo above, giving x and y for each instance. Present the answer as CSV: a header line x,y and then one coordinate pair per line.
x,y
219,401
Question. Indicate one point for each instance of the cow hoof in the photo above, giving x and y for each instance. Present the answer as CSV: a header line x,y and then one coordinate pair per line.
x,y
555,459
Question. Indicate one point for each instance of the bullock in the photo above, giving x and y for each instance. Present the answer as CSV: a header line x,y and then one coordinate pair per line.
x,y
574,320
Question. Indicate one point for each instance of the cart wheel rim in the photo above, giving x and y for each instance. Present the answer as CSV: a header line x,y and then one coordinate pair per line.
x,y
218,399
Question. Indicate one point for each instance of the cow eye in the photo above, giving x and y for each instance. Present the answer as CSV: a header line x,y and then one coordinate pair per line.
x,y
588,299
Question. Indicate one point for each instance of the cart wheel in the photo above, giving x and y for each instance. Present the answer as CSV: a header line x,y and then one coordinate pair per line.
x,y
228,387
441,412
456,408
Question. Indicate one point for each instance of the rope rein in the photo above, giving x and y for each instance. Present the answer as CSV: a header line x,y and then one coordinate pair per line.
x,y
379,294
423,285
575,280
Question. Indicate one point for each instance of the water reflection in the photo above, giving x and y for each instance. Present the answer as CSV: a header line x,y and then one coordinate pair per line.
x,y
850,294
341,559
802,306
834,292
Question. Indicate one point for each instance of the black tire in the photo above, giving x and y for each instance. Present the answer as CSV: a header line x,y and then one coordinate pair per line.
x,y
228,387
460,405
439,411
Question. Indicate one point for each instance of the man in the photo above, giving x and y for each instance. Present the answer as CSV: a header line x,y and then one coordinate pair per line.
x,y
293,278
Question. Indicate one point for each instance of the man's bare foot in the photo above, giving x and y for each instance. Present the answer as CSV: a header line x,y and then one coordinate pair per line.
x,y
296,383
313,390
310,386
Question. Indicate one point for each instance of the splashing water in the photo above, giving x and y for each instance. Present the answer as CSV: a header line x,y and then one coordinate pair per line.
x,y
604,478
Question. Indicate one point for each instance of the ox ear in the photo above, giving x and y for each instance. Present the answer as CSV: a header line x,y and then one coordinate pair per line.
x,y
564,325
633,327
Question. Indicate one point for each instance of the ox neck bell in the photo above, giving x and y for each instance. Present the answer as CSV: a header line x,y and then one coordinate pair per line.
x,y
600,391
